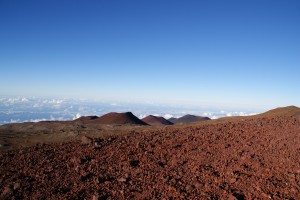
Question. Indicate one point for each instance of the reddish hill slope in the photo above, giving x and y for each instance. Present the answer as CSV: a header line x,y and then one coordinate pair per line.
x,y
282,111
288,111
119,118
86,119
188,119
156,121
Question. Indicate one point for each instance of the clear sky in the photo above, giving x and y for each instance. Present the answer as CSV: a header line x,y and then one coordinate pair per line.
x,y
236,53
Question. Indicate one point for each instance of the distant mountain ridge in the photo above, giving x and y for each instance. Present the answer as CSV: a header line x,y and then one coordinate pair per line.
x,y
119,118
156,120
86,119
288,111
113,118
188,119
282,111
129,118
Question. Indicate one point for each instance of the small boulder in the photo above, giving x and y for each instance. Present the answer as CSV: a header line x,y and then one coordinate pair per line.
x,y
95,197
16,186
97,145
134,163
86,140
231,197
6,193
122,180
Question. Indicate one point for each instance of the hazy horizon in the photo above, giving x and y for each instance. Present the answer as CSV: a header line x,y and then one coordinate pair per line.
x,y
239,55
34,109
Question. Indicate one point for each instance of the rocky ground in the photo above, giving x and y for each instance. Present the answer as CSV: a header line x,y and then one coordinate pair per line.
x,y
249,159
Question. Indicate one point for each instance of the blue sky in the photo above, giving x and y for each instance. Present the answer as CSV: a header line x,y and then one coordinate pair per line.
x,y
231,53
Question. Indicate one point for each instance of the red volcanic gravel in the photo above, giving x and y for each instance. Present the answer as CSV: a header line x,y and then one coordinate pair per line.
x,y
250,159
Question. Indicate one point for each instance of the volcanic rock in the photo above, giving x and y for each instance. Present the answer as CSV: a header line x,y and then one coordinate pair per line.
x,y
253,158
119,118
86,119
188,119
86,140
156,121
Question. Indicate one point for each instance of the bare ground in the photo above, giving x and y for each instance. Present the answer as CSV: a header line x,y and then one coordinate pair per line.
x,y
255,158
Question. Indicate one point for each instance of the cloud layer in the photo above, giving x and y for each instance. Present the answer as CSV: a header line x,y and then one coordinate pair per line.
x,y
33,109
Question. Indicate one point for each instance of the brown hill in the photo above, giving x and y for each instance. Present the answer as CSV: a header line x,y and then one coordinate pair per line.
x,y
86,119
288,111
282,111
155,120
119,118
188,119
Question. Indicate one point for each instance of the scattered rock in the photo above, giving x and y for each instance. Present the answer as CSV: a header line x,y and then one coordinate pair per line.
x,y
232,180
265,196
6,192
97,145
232,197
198,185
137,145
96,197
134,163
189,188
176,165
122,180
239,196
86,140
17,186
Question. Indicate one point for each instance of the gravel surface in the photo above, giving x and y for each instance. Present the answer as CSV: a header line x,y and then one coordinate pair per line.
x,y
250,159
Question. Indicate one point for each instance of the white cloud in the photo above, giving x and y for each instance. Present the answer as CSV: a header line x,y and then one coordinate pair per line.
x,y
15,120
36,105
52,118
142,116
53,101
37,120
11,100
168,116
250,114
21,109
243,114
207,114
24,99
78,115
